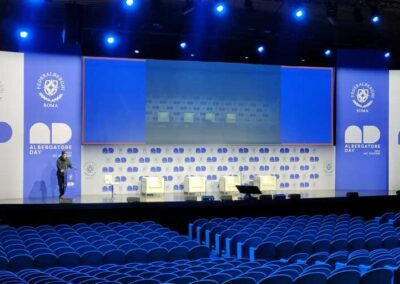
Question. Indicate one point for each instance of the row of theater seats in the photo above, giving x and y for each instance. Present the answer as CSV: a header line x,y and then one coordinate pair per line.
x,y
281,237
95,244
197,184
206,271
390,218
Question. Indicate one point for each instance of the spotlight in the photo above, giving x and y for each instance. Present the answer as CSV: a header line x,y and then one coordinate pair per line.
x,y
328,52
299,13
387,55
137,51
129,3
183,45
23,34
110,40
260,49
191,55
375,19
220,8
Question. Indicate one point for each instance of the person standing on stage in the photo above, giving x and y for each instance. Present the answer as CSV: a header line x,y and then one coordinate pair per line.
x,y
63,163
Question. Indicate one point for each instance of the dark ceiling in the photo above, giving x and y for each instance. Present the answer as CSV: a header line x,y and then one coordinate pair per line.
x,y
155,27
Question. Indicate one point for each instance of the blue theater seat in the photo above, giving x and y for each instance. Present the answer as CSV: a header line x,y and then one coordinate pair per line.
x,y
93,258
136,255
157,254
178,252
277,279
241,280
378,275
20,261
311,278
340,277
198,252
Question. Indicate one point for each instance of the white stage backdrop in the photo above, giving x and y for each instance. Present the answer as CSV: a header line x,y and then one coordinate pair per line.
x,y
297,168
394,131
11,124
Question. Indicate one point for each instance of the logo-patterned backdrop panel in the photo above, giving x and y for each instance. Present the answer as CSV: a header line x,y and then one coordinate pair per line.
x,y
297,168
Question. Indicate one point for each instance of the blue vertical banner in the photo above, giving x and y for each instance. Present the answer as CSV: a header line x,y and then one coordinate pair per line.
x,y
52,123
362,103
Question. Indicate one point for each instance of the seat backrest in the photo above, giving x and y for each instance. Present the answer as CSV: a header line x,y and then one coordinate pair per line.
x,y
154,181
196,181
266,182
108,179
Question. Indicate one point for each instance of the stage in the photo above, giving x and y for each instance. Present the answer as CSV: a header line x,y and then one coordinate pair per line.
x,y
176,213
108,197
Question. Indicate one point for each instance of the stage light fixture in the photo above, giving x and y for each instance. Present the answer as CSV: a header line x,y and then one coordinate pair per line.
x,y
387,55
183,45
129,3
375,19
111,40
220,8
23,34
260,49
137,51
299,13
328,52
375,16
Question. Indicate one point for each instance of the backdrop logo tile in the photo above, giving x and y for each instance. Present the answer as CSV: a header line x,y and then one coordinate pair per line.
x,y
42,137
362,95
51,88
90,169
365,139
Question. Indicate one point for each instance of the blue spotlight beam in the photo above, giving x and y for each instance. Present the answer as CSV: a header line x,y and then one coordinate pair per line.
x,y
183,45
23,34
375,19
328,52
220,8
299,13
129,3
110,40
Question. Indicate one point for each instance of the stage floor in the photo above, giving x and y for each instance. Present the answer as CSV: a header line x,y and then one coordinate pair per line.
x,y
167,197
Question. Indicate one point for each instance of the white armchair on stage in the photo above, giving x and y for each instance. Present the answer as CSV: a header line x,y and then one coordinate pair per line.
x,y
195,184
227,184
152,185
109,180
265,183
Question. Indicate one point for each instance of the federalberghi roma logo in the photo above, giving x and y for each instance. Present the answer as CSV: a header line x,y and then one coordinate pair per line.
x,y
51,88
362,95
